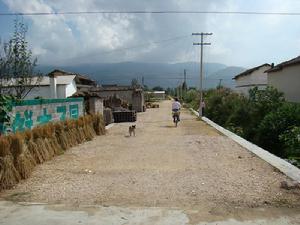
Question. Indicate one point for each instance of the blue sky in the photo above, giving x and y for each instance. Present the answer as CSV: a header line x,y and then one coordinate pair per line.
x,y
240,40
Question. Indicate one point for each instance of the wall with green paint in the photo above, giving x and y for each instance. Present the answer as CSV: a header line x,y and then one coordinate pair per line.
x,y
30,113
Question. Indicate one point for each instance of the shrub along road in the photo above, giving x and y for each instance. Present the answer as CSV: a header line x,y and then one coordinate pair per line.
x,y
164,175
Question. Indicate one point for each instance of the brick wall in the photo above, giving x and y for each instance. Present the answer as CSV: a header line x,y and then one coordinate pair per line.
x,y
27,114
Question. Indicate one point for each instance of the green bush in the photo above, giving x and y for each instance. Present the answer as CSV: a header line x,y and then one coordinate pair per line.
x,y
192,98
274,125
291,142
191,95
222,106
264,118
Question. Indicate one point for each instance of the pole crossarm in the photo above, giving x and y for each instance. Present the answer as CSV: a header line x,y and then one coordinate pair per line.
x,y
202,33
201,43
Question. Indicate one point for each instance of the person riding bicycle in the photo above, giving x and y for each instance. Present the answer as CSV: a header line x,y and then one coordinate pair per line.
x,y
176,106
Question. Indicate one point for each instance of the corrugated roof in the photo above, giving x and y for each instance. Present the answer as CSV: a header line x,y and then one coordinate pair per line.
x,y
249,71
58,72
282,65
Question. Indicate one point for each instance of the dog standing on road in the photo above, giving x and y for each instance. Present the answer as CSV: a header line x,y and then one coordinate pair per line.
x,y
132,130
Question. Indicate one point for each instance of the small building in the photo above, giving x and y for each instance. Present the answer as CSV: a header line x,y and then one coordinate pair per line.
x,y
255,77
65,84
58,84
286,78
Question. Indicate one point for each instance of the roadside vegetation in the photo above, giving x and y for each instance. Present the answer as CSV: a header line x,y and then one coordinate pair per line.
x,y
264,118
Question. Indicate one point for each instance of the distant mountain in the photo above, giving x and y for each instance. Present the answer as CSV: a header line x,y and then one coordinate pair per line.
x,y
154,74
224,76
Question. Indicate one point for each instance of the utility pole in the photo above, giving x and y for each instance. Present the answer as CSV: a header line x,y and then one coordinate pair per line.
x,y
201,66
184,85
220,83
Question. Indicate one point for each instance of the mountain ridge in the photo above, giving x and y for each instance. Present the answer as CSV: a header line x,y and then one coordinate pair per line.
x,y
154,74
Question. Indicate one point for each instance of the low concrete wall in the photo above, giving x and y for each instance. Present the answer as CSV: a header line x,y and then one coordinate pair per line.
x,y
288,169
27,114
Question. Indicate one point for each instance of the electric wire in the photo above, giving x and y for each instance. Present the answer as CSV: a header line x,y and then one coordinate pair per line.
x,y
148,12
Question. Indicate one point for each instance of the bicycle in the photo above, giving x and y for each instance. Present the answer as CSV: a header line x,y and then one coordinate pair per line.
x,y
176,119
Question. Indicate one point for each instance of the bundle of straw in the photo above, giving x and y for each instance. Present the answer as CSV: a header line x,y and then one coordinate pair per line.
x,y
9,176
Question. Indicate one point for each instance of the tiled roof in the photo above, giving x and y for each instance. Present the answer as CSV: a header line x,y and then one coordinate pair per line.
x,y
249,71
282,65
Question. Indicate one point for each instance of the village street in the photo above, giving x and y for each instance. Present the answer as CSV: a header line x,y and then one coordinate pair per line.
x,y
165,175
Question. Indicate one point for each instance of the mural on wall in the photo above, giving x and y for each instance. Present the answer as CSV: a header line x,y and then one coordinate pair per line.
x,y
31,113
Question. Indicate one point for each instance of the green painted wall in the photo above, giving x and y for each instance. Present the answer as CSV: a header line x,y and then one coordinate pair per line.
x,y
30,113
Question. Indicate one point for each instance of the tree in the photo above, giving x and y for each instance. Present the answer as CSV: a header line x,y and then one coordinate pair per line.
x,y
17,74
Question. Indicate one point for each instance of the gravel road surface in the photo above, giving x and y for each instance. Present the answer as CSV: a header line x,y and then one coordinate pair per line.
x,y
190,167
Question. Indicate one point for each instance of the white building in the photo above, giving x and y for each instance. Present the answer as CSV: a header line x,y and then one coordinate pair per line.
x,y
58,84
61,84
160,95
255,77
286,78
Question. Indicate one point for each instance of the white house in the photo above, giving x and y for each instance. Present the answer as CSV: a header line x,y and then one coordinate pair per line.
x,y
286,78
58,84
255,77
61,84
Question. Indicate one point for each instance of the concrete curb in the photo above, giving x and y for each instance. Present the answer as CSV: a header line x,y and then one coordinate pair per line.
x,y
288,169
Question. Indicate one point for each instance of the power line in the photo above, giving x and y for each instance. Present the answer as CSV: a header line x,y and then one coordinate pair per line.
x,y
150,12
168,78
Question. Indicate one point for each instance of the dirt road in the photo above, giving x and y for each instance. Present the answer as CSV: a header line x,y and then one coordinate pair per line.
x,y
190,167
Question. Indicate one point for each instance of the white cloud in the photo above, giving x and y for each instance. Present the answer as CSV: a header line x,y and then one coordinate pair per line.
x,y
237,40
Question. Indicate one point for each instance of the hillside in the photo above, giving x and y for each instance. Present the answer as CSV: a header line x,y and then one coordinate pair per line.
x,y
162,74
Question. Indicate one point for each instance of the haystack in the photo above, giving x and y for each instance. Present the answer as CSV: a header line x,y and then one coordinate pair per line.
x,y
42,149
9,176
25,163
35,152
4,146
22,158
21,152
99,124
16,144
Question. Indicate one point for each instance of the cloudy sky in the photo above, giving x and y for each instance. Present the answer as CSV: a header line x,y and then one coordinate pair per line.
x,y
239,40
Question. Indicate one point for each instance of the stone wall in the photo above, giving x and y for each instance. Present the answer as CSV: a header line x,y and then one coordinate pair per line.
x,y
131,96
27,114
123,94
